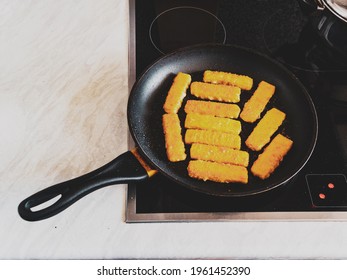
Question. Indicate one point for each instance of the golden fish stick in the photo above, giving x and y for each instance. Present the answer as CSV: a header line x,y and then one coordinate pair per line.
x,y
266,127
218,172
218,77
256,104
219,154
212,123
215,92
174,144
212,108
177,92
272,156
216,138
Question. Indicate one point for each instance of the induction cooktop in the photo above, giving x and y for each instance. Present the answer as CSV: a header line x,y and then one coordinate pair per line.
x,y
280,30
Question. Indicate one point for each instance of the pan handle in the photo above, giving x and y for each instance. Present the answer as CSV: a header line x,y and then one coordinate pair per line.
x,y
125,168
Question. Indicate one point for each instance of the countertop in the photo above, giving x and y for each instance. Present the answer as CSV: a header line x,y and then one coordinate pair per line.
x,y
63,96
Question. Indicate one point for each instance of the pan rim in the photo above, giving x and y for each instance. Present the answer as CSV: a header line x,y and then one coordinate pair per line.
x,y
312,109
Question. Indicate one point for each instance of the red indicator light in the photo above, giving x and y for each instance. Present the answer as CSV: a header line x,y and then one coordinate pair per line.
x,y
331,186
322,196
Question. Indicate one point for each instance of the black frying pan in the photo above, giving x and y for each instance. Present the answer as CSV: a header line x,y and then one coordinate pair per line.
x,y
144,118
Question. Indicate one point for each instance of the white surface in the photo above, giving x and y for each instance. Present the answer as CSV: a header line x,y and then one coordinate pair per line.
x,y
63,95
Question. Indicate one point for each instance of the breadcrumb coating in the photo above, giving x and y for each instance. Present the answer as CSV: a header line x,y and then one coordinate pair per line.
x,y
174,144
219,77
256,104
272,156
218,172
266,127
176,93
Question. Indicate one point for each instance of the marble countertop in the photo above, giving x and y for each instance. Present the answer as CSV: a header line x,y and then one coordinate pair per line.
x,y
63,95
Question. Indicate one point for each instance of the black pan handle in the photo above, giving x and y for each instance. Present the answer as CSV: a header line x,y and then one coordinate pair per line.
x,y
125,168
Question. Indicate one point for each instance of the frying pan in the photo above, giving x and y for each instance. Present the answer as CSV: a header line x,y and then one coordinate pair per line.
x,y
144,119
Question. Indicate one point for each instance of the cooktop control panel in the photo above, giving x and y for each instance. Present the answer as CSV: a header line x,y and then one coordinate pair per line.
x,y
327,190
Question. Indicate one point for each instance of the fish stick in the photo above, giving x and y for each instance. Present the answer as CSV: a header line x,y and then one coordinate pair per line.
x,y
215,92
174,144
217,109
219,154
210,137
266,127
272,156
256,104
218,172
212,123
217,77
176,93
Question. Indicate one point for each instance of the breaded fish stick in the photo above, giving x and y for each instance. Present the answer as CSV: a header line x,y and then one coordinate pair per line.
x,y
256,104
212,108
215,92
272,156
219,154
217,77
218,172
266,127
175,148
212,123
210,137
177,92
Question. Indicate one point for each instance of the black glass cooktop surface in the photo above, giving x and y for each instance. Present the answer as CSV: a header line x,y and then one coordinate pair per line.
x,y
280,30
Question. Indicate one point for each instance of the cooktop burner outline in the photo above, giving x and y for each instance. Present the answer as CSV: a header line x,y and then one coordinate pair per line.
x,y
150,31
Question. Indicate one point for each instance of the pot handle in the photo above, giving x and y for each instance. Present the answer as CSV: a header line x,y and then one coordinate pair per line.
x,y
125,168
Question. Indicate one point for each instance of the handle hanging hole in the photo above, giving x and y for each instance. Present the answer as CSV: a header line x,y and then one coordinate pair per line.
x,y
46,204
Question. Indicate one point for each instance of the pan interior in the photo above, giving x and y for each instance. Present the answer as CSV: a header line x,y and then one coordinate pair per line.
x,y
145,110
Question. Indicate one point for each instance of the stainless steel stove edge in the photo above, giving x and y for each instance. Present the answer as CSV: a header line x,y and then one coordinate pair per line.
x,y
320,216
